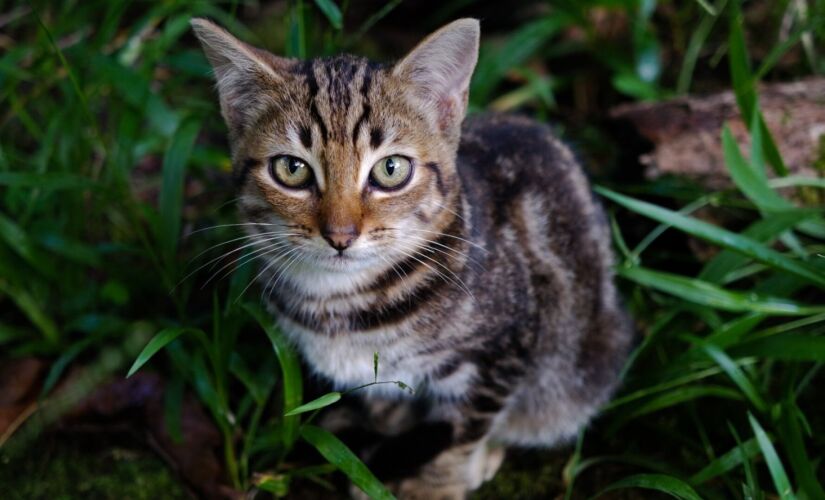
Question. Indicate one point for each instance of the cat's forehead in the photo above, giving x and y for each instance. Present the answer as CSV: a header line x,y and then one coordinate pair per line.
x,y
339,79
339,98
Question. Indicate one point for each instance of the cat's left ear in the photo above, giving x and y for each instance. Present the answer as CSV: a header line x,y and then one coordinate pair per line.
x,y
439,70
246,75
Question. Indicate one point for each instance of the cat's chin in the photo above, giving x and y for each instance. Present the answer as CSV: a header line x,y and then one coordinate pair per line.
x,y
344,264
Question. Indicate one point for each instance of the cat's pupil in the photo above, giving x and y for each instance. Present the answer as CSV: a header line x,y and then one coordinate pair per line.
x,y
294,164
390,166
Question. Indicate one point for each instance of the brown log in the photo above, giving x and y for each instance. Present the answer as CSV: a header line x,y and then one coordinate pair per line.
x,y
686,132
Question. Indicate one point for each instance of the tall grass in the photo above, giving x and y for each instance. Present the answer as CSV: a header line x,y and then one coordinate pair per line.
x,y
116,204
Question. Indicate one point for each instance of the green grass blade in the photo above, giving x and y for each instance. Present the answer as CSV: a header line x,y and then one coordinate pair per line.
x,y
739,63
494,63
694,48
734,372
726,462
238,368
31,308
744,86
315,404
777,470
732,331
50,181
787,347
659,482
764,231
373,19
158,342
59,365
705,293
670,399
718,236
296,42
749,178
770,149
19,241
290,369
790,434
339,455
751,485
173,408
332,13
171,190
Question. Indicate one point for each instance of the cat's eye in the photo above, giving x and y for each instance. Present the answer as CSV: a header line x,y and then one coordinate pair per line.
x,y
391,172
290,171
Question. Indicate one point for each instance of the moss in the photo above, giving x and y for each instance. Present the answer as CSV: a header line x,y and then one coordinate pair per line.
x,y
526,475
69,467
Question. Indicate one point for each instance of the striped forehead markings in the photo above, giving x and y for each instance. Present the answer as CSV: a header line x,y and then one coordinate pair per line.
x,y
312,83
335,80
366,83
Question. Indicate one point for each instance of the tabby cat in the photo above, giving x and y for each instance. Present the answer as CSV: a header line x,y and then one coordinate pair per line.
x,y
471,255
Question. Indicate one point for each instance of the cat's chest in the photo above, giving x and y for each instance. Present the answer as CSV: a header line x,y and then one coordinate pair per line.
x,y
347,359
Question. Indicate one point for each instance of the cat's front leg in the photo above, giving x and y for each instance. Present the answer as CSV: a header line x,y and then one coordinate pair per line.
x,y
453,473
447,457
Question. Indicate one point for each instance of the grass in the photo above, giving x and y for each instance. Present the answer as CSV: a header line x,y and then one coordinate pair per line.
x,y
115,190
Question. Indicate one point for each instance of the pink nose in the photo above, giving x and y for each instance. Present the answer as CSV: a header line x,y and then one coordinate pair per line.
x,y
340,238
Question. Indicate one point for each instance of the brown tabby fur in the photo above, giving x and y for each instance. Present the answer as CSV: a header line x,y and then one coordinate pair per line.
x,y
485,281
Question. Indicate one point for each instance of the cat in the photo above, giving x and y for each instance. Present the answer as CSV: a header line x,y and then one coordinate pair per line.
x,y
471,255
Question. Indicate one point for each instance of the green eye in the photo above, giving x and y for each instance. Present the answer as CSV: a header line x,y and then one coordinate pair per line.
x,y
391,172
290,171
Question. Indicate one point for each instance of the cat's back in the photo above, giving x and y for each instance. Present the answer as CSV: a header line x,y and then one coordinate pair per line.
x,y
512,156
532,205
515,170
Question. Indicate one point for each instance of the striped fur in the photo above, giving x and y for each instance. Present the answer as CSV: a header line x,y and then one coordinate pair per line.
x,y
485,281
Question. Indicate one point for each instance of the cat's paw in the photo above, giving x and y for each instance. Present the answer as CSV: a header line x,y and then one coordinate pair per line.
x,y
416,489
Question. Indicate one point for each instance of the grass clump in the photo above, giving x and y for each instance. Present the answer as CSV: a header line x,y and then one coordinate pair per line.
x,y
115,189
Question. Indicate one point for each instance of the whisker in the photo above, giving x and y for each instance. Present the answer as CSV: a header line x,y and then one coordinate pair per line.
x,y
457,281
298,257
284,261
228,202
275,260
236,225
439,233
445,207
219,257
249,257
455,252
281,236
244,237
394,268
254,255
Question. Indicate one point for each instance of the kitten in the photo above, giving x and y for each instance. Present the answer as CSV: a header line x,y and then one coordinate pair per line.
x,y
472,257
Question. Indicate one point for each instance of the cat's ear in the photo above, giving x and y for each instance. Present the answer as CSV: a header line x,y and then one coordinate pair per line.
x,y
245,75
439,70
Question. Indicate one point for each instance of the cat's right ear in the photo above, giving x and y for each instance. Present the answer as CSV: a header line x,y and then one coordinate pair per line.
x,y
245,75
439,70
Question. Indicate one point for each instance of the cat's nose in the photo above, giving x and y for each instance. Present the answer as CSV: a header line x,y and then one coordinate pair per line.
x,y
340,238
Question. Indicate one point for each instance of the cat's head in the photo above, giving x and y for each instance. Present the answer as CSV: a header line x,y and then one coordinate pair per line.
x,y
352,162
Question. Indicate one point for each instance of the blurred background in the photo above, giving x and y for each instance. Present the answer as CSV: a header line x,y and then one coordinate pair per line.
x,y
702,122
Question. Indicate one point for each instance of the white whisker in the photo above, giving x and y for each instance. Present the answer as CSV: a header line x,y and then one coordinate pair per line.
x,y
455,252
457,281
275,260
439,233
238,224
219,257
255,254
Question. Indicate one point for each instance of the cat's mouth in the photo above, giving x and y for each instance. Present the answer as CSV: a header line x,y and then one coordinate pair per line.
x,y
346,261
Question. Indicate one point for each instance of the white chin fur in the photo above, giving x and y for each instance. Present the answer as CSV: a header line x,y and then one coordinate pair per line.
x,y
332,274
